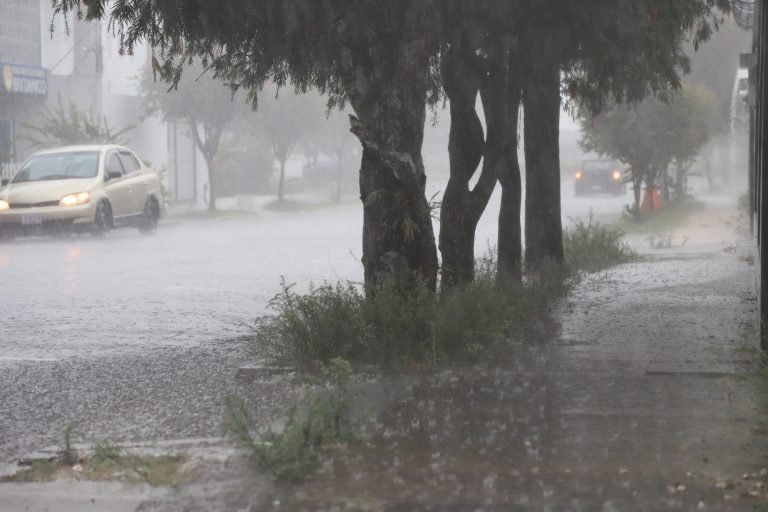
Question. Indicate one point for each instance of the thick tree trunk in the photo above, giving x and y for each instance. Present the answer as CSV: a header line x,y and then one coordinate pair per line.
x,y
541,104
461,207
510,244
388,94
398,240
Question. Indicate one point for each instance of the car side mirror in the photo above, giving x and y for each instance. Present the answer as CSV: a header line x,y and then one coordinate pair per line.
x,y
4,182
113,175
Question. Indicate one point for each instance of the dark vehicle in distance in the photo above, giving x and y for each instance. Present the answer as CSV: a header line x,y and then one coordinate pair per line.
x,y
599,176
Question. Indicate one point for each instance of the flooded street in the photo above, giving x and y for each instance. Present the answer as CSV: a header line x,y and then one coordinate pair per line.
x,y
195,281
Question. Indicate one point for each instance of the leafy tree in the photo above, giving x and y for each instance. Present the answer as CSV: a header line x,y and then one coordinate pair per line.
x,y
64,126
381,56
376,55
284,118
594,52
653,134
244,162
203,102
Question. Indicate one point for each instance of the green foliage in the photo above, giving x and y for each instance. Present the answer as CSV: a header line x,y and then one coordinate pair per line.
x,y
399,325
68,453
671,216
651,135
66,126
311,424
591,246
244,163
103,451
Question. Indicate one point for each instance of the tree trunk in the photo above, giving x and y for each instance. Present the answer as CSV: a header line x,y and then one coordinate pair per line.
x,y
339,174
637,190
388,95
665,184
461,208
281,182
510,244
541,104
211,184
679,181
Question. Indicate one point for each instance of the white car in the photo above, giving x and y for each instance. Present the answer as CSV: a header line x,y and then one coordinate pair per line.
x,y
82,189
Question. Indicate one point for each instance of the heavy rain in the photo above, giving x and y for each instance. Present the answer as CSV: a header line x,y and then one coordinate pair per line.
x,y
319,255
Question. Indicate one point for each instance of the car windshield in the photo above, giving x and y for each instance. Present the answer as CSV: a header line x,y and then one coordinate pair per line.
x,y
59,166
599,166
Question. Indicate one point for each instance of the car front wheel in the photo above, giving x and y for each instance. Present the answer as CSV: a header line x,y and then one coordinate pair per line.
x,y
148,223
102,221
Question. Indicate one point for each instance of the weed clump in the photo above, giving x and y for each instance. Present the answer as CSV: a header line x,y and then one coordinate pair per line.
x,y
398,324
410,326
310,425
591,246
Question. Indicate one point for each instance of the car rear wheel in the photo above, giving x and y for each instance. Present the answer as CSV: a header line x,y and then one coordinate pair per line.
x,y
102,221
148,223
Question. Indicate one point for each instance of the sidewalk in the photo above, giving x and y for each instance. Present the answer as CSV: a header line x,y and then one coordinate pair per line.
x,y
637,402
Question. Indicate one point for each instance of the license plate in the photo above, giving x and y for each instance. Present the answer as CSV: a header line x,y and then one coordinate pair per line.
x,y
30,219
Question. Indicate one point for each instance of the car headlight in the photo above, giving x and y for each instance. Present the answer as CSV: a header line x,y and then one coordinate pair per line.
x,y
617,175
4,205
75,199
579,175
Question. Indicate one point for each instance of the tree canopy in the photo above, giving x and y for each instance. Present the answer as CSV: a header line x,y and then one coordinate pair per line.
x,y
651,135
203,102
383,58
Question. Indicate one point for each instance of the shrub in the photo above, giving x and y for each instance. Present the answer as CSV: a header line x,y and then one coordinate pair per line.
x,y
591,246
413,326
311,424
399,327
316,326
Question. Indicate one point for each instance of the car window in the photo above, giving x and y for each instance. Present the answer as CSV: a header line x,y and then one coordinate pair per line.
x,y
113,164
59,166
599,166
130,164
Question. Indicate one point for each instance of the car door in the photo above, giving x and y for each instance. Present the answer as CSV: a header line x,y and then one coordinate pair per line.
x,y
135,180
118,187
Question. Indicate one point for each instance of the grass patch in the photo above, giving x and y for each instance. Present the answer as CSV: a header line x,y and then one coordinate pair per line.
x,y
107,462
401,327
591,246
671,216
310,425
415,327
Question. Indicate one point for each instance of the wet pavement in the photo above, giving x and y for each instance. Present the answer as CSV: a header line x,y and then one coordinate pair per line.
x,y
637,402
634,400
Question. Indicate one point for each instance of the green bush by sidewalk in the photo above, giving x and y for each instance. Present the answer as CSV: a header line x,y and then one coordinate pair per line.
x,y
416,327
